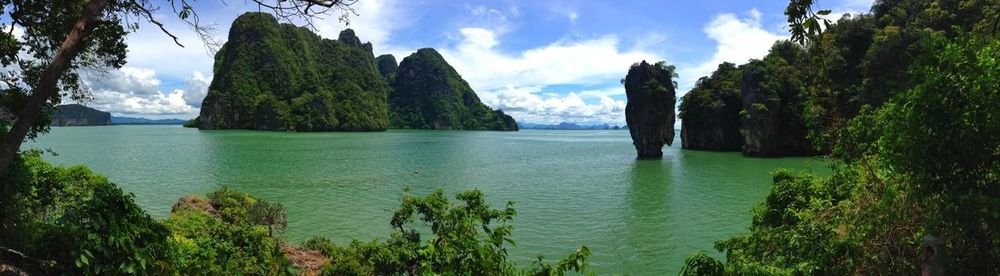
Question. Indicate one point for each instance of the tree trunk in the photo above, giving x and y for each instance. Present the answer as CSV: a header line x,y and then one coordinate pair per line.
x,y
47,85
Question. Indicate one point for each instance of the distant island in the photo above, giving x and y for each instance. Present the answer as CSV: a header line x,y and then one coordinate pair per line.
x,y
79,115
115,120
271,76
571,126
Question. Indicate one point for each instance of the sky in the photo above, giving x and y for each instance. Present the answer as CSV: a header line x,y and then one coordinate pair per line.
x,y
540,61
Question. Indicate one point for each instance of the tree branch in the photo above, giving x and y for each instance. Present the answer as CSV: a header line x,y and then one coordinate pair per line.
x,y
149,17
23,262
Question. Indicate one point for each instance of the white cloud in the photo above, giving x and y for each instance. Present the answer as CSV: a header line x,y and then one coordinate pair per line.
x,y
844,7
375,23
588,62
151,48
132,90
737,40
527,106
520,83
196,89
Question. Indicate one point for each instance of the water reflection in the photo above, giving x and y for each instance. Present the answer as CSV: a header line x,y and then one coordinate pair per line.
x,y
645,221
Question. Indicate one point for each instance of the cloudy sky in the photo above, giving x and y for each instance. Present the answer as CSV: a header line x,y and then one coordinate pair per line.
x,y
541,61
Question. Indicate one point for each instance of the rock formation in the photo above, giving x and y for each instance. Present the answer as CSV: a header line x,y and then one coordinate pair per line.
x,y
429,94
271,76
78,115
709,113
650,110
772,109
387,66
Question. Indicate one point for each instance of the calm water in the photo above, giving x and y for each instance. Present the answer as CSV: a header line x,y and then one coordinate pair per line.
x,y
572,188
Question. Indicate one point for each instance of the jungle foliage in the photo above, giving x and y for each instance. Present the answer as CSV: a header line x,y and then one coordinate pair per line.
x,y
906,99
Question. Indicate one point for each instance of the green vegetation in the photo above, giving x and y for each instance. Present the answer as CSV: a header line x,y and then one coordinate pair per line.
x,y
272,76
223,235
859,60
773,102
710,111
429,94
387,66
70,221
467,239
906,100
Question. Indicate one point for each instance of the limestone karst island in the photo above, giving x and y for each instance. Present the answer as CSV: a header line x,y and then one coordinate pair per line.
x,y
388,137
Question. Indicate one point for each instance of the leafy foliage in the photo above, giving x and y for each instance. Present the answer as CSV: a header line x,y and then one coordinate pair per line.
x,y
773,102
905,174
234,242
710,111
44,24
76,222
468,238
803,22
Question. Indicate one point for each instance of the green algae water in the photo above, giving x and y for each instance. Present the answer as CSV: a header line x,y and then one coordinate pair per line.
x,y
572,188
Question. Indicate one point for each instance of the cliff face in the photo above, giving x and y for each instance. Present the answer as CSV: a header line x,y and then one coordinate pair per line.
x,y
387,66
428,93
709,114
650,110
772,95
271,76
78,115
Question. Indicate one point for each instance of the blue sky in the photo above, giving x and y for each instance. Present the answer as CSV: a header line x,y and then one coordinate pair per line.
x,y
541,61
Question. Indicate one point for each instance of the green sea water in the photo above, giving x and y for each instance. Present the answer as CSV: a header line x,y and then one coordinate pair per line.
x,y
572,188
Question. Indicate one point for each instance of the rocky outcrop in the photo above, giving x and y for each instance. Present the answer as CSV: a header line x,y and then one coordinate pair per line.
x,y
387,66
650,110
194,202
772,107
310,262
79,115
271,76
429,94
709,113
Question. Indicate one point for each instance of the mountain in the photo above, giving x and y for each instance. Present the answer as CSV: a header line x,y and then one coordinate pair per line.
x,y
387,66
79,115
428,93
115,120
271,76
568,126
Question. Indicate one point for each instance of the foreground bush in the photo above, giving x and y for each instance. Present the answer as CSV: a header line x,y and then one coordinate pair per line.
x,y
469,238
925,164
71,221
61,221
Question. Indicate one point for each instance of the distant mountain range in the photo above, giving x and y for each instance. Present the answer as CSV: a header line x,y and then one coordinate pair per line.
x,y
570,126
79,115
143,121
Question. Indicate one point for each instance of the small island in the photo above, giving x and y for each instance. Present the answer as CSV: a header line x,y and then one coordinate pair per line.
x,y
651,93
79,115
271,76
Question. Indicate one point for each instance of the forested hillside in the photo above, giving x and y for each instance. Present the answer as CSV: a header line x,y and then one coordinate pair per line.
x,y
906,100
